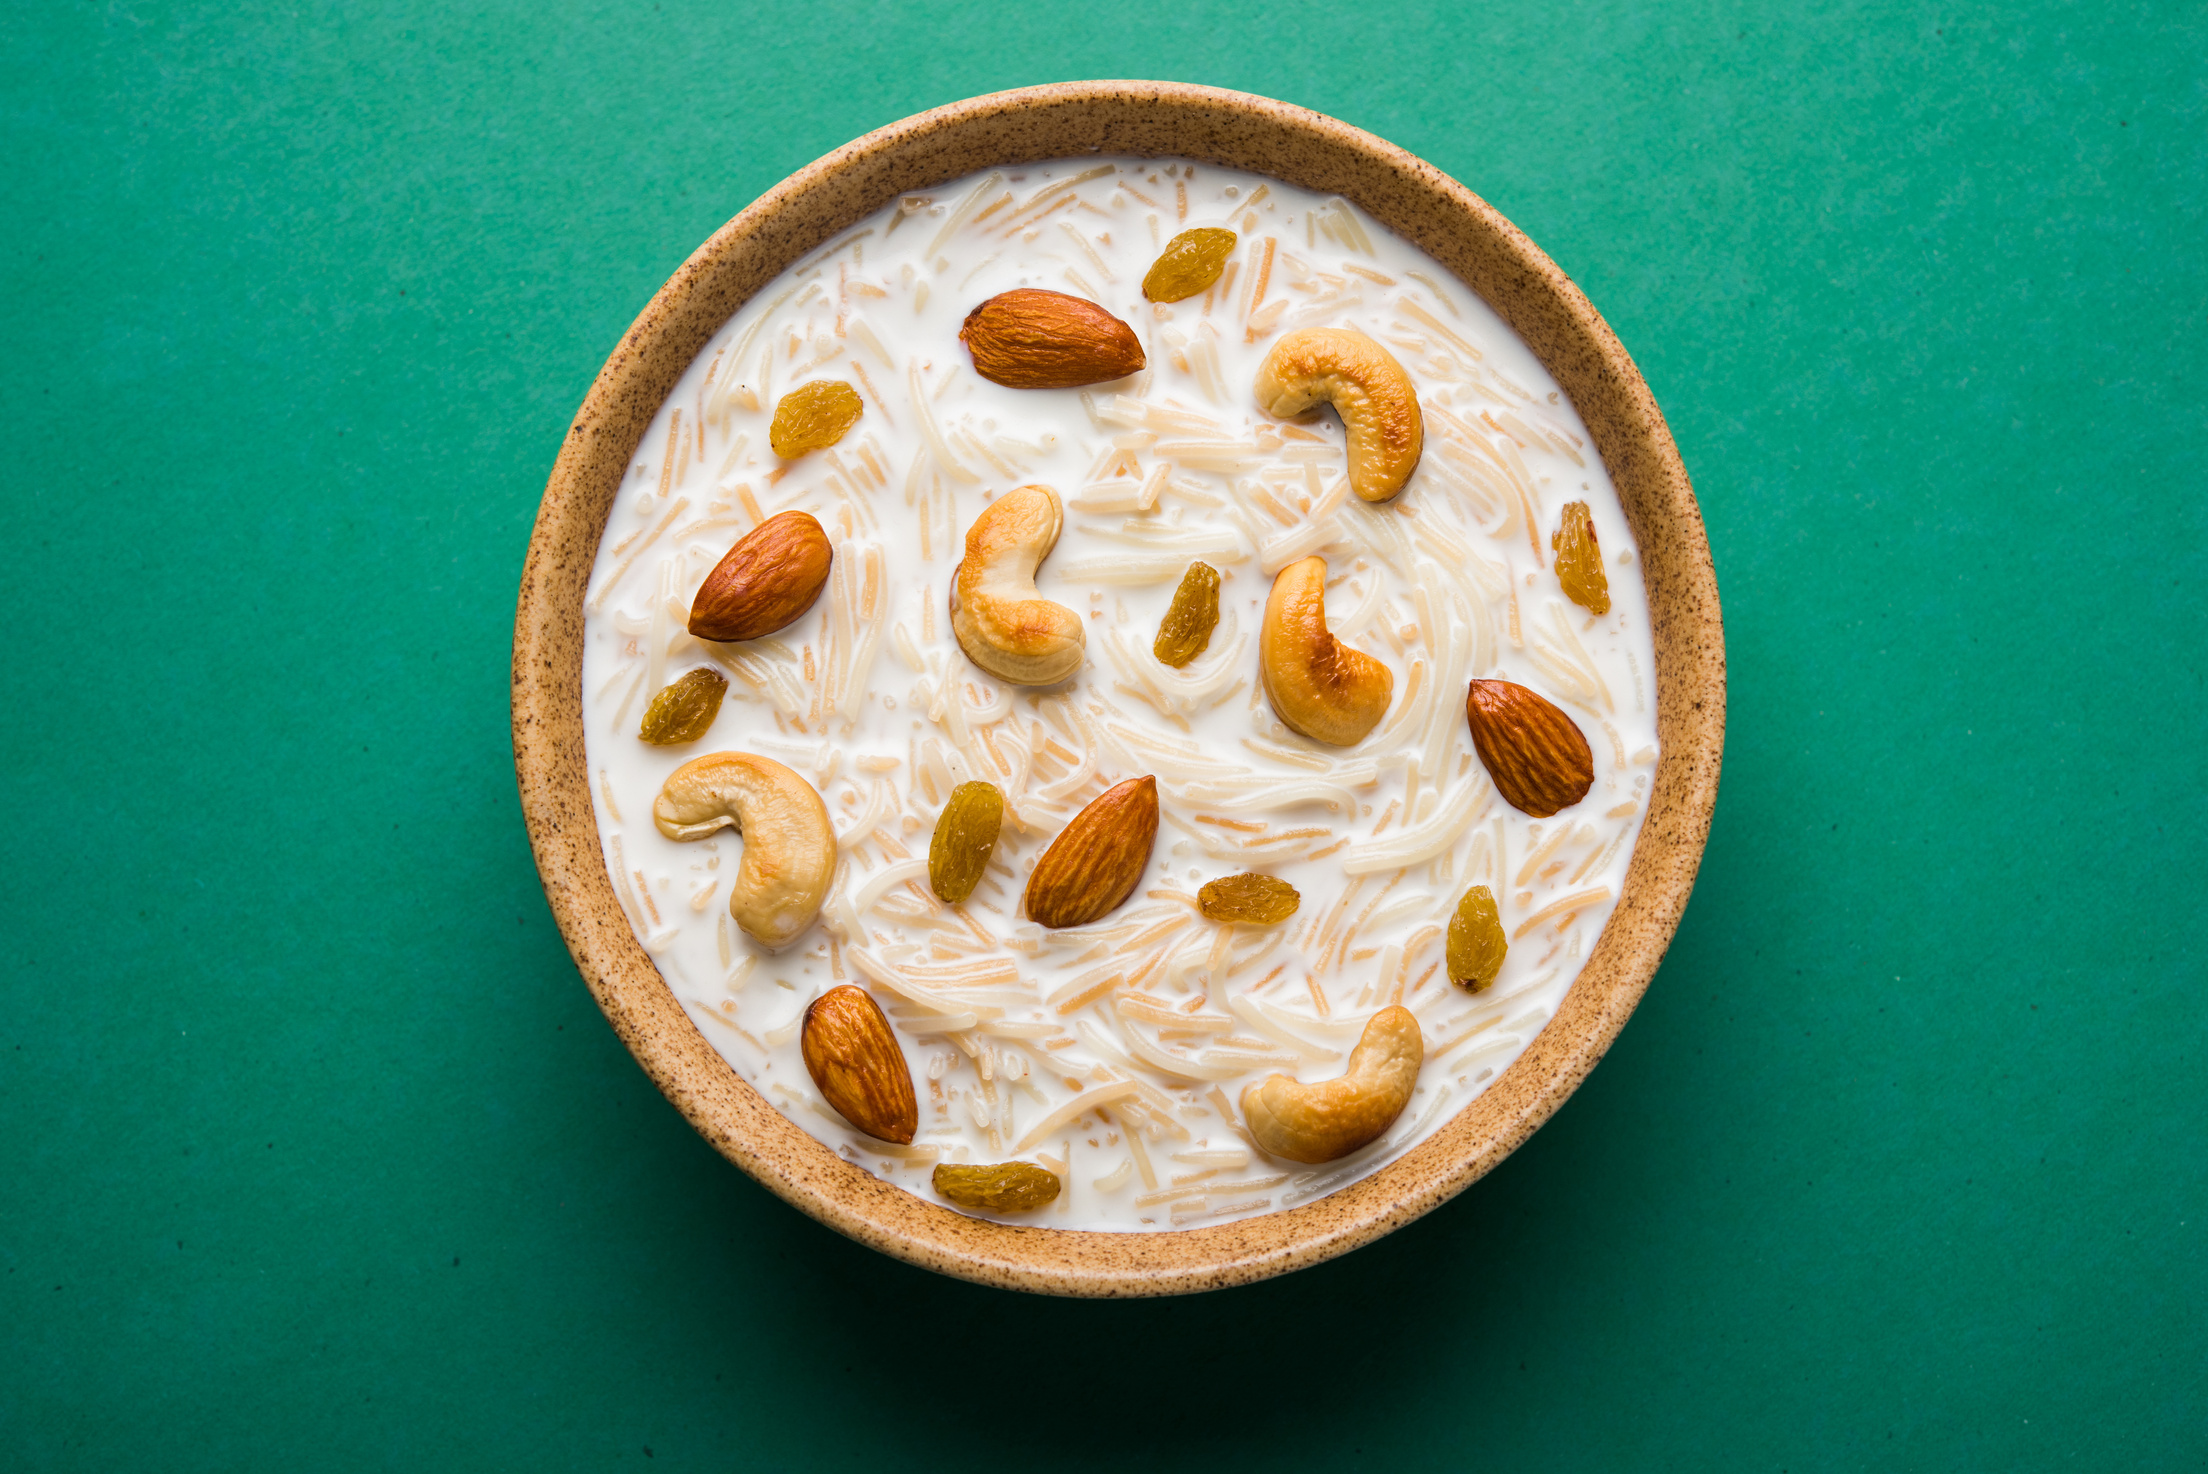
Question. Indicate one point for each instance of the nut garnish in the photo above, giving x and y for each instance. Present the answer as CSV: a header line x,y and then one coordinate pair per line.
x,y
1579,560
1332,1118
1098,859
1007,1187
789,848
1185,632
1003,624
1477,945
765,582
1190,262
1318,685
855,1060
1248,899
684,711
965,837
813,417
1537,756
1033,339
1384,431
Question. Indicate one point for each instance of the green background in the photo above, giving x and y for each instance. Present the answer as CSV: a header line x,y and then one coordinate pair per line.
x,y
317,1153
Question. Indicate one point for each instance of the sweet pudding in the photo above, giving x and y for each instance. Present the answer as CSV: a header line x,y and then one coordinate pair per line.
x,y
1118,695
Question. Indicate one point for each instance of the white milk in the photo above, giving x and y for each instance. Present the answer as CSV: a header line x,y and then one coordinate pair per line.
x,y
1006,1025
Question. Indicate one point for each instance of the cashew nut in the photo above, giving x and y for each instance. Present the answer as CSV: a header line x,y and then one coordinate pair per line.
x,y
789,848
1319,686
1332,1118
1368,389
1002,623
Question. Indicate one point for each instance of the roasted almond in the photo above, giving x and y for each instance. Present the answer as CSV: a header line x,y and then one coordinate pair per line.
x,y
1032,339
854,1059
1536,755
1097,860
765,582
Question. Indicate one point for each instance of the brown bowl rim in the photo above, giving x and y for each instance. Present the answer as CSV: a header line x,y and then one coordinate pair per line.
x,y
1489,256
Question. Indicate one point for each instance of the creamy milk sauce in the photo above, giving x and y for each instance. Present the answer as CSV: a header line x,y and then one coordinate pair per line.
x,y
1115,1054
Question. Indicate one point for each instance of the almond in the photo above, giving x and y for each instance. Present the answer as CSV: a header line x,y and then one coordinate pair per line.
x,y
1032,339
768,580
1097,860
1536,754
854,1059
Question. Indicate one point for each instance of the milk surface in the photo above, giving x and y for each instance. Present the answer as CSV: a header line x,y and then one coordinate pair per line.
x,y
1115,1054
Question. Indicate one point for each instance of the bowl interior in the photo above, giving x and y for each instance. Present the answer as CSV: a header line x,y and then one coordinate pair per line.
x,y
1236,130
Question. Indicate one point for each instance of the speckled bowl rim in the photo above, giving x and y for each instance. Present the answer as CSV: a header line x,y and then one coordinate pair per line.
x,y
1232,129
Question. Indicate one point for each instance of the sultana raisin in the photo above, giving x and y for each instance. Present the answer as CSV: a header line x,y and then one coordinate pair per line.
x,y
1248,900
685,710
1190,262
1476,944
965,837
1579,560
1007,1187
1186,629
813,417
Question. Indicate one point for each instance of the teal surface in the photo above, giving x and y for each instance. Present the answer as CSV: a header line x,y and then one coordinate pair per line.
x,y
316,1152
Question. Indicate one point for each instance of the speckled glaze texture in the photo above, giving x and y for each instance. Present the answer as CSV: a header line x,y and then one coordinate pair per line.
x,y
1237,130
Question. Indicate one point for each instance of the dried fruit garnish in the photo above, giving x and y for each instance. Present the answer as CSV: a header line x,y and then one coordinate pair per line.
x,y
1190,262
1007,1187
965,837
813,417
1187,626
1579,560
1476,942
685,710
1248,900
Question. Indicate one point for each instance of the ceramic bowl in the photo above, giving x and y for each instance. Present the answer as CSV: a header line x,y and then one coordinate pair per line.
x,y
1486,253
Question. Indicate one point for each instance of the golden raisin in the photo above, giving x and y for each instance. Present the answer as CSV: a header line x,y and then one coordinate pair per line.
x,y
965,837
813,417
685,710
1186,629
1579,560
1248,900
1476,943
1190,262
1007,1187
